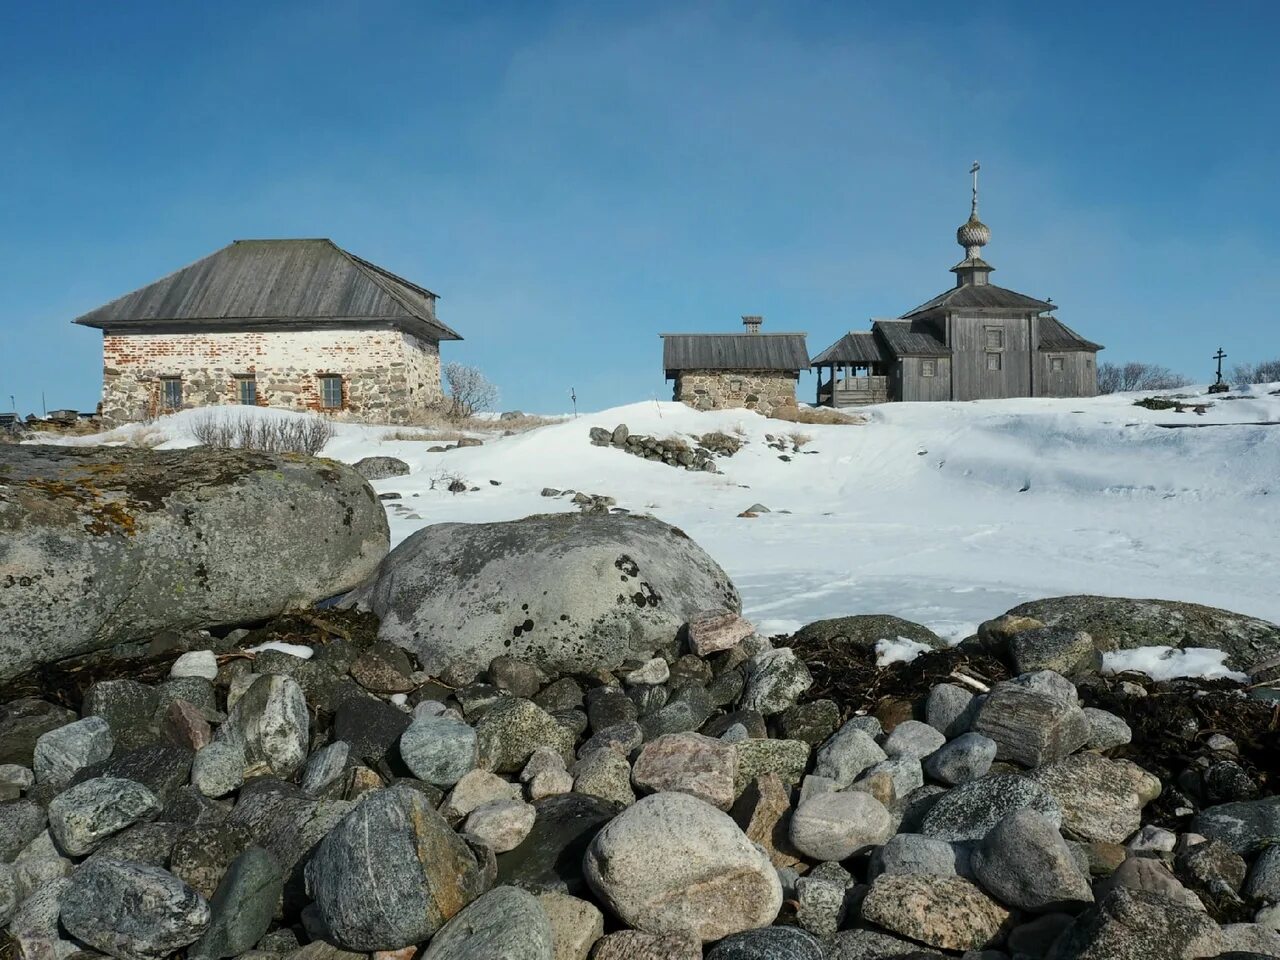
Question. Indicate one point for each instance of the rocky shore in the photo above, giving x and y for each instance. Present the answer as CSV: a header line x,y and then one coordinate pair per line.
x,y
557,738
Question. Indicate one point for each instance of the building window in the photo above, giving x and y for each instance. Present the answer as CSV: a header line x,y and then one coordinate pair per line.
x,y
249,391
171,393
993,361
995,338
331,392
1057,364
928,368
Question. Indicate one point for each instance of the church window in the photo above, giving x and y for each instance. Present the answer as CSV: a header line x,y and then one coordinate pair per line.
x,y
330,392
1057,364
993,361
928,368
171,393
995,338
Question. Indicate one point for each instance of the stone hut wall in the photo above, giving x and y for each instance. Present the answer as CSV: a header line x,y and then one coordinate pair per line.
x,y
386,374
762,390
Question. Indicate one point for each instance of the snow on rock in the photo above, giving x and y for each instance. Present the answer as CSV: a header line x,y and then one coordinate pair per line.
x,y
900,650
1168,663
299,650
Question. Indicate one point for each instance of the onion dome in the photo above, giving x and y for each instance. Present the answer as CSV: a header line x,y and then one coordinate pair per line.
x,y
973,234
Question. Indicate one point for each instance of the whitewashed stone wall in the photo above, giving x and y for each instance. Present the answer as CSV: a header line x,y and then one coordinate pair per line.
x,y
386,374
762,390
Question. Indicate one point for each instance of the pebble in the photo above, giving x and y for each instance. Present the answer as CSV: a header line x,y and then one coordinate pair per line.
x,y
912,738
197,663
845,756
83,816
218,768
501,824
688,763
950,709
967,757
439,750
834,826
63,752
775,681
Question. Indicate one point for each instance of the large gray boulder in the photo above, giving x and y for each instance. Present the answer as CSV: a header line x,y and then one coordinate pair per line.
x,y
1121,623
565,591
107,545
507,922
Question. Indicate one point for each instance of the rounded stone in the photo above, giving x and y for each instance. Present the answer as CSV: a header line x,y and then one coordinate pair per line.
x,y
391,873
768,943
439,750
836,825
968,811
86,814
967,757
674,864
131,911
944,912
506,922
501,824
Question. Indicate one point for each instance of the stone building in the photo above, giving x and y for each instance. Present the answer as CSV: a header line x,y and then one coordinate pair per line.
x,y
975,341
294,324
754,370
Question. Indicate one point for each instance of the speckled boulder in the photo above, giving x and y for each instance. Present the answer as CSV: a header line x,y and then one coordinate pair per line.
x,y
570,591
113,544
391,873
1121,623
674,864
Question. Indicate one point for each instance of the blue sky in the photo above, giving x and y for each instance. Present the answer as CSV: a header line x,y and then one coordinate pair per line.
x,y
575,178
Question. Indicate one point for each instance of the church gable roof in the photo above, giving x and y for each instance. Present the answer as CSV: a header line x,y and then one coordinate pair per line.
x,y
265,282
734,351
986,296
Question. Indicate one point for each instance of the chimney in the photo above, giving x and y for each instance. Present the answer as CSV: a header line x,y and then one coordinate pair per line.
x,y
752,324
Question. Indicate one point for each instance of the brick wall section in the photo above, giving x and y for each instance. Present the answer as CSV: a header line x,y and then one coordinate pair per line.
x,y
762,390
386,374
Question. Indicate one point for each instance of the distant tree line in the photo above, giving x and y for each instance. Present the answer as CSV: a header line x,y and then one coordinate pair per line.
x,y
1268,371
1120,377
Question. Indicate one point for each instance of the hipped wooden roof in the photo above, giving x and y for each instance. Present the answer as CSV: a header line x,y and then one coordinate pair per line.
x,y
985,296
274,283
734,351
1057,336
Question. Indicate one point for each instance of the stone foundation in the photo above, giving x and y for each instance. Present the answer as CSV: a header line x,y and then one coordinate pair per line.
x,y
386,374
761,390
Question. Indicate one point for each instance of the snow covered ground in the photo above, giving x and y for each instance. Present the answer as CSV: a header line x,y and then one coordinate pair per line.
x,y
943,513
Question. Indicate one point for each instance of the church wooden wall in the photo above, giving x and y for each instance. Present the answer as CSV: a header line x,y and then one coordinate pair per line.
x,y
1077,378
971,380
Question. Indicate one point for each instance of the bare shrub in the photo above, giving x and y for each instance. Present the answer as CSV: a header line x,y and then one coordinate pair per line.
x,y
798,439
469,390
1268,371
1120,378
449,480
430,436
307,435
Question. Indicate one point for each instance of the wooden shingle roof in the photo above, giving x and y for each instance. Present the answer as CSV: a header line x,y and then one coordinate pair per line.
x,y
911,338
734,351
854,348
1056,335
274,283
986,296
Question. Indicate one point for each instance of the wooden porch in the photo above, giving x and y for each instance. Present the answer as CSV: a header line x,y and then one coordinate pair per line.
x,y
852,386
